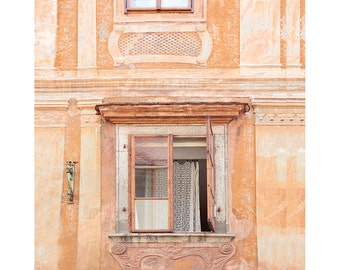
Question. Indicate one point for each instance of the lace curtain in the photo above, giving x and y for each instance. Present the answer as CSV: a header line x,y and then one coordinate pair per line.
x,y
186,197
151,215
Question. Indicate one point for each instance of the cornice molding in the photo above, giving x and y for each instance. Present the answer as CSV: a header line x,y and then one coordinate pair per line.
x,y
171,110
283,83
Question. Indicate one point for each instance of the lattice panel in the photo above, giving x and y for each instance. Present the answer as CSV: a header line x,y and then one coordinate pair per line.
x,y
151,43
158,43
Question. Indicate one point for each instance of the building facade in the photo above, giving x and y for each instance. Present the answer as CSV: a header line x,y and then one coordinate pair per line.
x,y
172,134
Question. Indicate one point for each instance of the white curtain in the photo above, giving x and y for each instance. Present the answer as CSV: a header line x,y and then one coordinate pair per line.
x,y
186,197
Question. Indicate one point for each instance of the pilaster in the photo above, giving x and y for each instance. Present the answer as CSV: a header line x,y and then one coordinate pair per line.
x,y
88,248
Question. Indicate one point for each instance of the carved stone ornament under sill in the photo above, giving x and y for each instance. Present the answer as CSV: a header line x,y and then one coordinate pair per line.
x,y
141,43
171,256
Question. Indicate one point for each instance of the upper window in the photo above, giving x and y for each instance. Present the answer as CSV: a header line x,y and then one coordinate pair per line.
x,y
159,10
172,183
158,5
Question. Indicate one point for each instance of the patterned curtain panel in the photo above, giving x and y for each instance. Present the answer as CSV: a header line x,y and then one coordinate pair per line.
x,y
186,197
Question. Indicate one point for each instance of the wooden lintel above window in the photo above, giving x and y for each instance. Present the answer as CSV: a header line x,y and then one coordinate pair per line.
x,y
171,112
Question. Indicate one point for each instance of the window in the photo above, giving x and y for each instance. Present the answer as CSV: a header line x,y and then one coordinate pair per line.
x,y
174,126
158,5
185,142
159,11
172,182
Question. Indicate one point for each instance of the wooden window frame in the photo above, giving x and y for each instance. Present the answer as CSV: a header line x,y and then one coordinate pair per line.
x,y
158,8
210,178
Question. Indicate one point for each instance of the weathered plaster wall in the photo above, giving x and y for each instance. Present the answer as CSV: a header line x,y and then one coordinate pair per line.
x,y
260,32
88,249
45,22
49,161
280,195
272,33
242,196
67,36
108,191
73,35
224,26
265,163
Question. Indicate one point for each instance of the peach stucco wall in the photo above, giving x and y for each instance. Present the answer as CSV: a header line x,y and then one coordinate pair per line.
x,y
49,159
280,180
255,51
45,33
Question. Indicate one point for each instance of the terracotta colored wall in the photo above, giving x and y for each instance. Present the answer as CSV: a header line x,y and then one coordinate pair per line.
x,y
280,194
265,162
49,162
242,196
243,32
88,249
45,22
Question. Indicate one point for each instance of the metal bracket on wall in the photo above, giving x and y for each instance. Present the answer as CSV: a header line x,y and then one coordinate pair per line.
x,y
70,170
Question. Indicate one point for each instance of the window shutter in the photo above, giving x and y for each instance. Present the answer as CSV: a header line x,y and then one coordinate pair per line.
x,y
211,181
151,153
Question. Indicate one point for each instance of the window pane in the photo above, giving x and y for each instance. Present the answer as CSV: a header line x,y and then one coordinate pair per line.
x,y
176,4
151,215
151,183
151,151
142,3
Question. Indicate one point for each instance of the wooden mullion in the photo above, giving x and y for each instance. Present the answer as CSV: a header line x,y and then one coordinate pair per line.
x,y
139,167
151,198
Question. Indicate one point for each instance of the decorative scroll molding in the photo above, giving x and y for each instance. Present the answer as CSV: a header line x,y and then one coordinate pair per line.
x,y
141,43
167,256
280,115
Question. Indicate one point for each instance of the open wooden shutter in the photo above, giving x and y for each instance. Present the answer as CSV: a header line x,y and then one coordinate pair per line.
x,y
151,199
211,181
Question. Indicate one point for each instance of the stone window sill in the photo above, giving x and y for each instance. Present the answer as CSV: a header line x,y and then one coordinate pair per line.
x,y
171,237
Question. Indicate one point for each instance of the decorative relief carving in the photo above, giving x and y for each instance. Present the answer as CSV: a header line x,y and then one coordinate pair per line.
x,y
135,43
171,256
280,118
283,116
